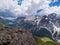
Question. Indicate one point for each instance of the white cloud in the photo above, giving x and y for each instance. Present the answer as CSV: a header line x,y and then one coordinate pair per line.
x,y
55,9
8,4
37,4
36,1
48,10
14,7
28,7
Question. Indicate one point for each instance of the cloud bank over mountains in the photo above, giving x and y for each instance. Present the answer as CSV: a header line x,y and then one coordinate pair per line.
x,y
49,10
28,7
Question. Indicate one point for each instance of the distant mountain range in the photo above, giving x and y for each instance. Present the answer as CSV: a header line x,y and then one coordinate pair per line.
x,y
50,23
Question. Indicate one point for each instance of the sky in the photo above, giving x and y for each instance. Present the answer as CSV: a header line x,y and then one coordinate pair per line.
x,y
57,3
29,7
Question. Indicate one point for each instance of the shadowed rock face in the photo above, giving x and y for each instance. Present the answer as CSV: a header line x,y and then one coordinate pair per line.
x,y
15,36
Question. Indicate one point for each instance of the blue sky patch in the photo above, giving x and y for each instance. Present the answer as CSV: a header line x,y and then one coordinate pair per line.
x,y
19,2
39,10
55,4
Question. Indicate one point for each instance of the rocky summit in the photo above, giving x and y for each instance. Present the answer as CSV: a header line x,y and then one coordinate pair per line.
x,y
16,36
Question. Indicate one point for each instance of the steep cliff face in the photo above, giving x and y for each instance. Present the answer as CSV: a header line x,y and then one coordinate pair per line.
x,y
15,36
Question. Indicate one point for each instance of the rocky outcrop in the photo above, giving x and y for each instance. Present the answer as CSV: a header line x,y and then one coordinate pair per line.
x,y
15,36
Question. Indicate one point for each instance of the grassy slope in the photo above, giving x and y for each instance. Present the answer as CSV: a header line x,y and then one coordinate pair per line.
x,y
45,41
2,22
